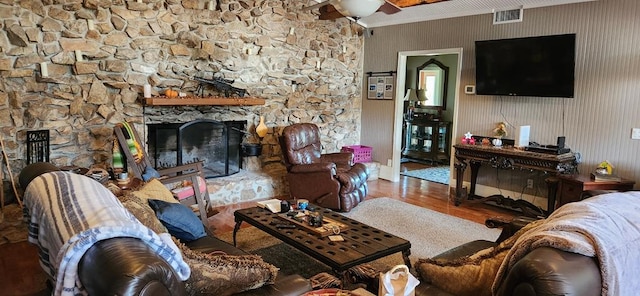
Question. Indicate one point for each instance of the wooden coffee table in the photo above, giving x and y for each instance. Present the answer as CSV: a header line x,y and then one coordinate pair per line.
x,y
362,243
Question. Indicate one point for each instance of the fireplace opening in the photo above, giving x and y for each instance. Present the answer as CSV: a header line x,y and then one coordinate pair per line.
x,y
215,143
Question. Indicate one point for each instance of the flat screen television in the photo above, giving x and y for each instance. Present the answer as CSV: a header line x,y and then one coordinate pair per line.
x,y
542,66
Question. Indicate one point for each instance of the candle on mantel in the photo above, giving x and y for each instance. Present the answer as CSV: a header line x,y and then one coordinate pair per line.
x,y
147,90
211,5
44,71
318,64
78,55
90,24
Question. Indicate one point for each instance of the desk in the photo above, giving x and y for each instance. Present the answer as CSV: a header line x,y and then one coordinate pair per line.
x,y
573,186
509,158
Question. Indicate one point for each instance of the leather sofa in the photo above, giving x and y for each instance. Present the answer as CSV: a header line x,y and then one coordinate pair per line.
x,y
543,271
329,180
127,266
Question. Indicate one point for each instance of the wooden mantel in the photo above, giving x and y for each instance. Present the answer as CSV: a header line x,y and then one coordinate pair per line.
x,y
206,101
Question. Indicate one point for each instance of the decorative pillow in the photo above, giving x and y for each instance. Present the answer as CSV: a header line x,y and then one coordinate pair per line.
x,y
472,275
179,220
225,274
155,190
143,212
150,173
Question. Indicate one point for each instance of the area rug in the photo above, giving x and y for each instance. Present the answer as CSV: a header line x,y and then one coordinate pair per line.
x,y
439,174
429,232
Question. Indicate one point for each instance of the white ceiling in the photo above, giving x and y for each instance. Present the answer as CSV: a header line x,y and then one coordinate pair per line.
x,y
454,8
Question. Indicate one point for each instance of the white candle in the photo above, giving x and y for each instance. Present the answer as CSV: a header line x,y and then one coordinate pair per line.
x,y
90,24
147,90
211,5
344,48
78,55
139,1
292,30
318,64
43,69
249,51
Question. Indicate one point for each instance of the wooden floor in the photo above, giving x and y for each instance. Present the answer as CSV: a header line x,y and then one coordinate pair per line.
x,y
21,273
430,195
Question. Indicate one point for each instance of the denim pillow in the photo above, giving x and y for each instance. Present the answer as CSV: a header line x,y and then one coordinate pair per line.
x,y
178,219
150,173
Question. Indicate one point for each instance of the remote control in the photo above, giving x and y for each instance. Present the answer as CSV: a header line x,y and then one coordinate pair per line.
x,y
285,226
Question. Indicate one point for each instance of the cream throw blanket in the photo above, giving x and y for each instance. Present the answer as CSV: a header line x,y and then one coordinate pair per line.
x,y
606,227
68,213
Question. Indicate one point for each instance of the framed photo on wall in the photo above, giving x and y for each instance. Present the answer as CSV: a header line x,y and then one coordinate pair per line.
x,y
381,87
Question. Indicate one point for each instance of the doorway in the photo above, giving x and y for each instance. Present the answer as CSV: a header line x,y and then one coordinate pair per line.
x,y
450,112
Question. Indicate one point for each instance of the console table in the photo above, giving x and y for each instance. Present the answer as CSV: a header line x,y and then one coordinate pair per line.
x,y
508,157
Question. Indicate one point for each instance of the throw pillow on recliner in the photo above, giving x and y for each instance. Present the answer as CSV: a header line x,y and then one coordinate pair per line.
x,y
179,220
154,189
143,212
472,275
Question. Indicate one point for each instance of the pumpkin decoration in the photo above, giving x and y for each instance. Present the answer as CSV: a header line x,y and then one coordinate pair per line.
x,y
170,93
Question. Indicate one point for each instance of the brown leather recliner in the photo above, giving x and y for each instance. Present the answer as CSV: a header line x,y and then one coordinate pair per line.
x,y
328,180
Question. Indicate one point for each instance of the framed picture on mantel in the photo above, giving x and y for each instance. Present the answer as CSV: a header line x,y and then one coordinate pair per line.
x,y
381,87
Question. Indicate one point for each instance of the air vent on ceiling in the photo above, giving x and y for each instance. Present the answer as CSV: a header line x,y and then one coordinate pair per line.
x,y
507,16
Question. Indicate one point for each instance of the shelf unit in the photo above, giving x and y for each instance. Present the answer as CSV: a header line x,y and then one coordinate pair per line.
x,y
427,140
206,101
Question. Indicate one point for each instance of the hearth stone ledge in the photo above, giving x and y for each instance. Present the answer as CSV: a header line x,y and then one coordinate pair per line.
x,y
248,185
253,183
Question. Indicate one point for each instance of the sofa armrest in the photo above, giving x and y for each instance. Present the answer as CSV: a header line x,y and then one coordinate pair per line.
x,y
127,266
509,225
314,168
340,158
549,271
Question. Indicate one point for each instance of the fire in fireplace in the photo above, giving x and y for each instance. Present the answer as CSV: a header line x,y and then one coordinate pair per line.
x,y
215,143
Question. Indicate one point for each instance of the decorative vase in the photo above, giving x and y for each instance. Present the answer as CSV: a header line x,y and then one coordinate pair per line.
x,y
261,129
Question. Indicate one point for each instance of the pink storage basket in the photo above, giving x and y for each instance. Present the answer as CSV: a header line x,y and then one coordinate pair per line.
x,y
361,153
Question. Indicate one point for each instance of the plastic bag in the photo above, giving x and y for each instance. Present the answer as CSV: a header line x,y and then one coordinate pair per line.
x,y
397,282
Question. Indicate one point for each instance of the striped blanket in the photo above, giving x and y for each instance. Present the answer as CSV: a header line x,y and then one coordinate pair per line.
x,y
68,213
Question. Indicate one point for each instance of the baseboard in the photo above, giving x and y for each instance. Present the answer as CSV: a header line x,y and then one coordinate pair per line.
x,y
387,173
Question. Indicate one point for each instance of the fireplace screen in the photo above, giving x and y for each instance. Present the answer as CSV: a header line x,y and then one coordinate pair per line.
x,y
215,143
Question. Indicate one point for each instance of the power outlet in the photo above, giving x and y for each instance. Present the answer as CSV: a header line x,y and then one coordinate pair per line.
x,y
530,183
635,133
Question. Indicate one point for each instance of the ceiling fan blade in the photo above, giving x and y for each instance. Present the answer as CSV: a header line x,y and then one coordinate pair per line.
x,y
389,8
408,3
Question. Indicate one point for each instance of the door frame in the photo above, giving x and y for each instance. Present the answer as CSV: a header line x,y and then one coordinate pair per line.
x,y
399,105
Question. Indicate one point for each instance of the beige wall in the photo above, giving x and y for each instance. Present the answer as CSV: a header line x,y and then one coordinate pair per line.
x,y
597,122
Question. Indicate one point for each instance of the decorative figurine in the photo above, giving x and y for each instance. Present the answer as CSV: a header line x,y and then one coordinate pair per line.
x,y
468,139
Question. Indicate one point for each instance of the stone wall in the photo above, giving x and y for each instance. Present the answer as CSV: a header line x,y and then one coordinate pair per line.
x,y
307,70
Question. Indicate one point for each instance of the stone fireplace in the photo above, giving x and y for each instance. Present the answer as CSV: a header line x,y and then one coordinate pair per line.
x,y
215,143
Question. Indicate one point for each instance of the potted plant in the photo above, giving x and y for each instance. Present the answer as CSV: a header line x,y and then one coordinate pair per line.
x,y
500,131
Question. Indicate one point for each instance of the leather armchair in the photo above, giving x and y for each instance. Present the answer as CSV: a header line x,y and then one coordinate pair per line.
x,y
329,180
